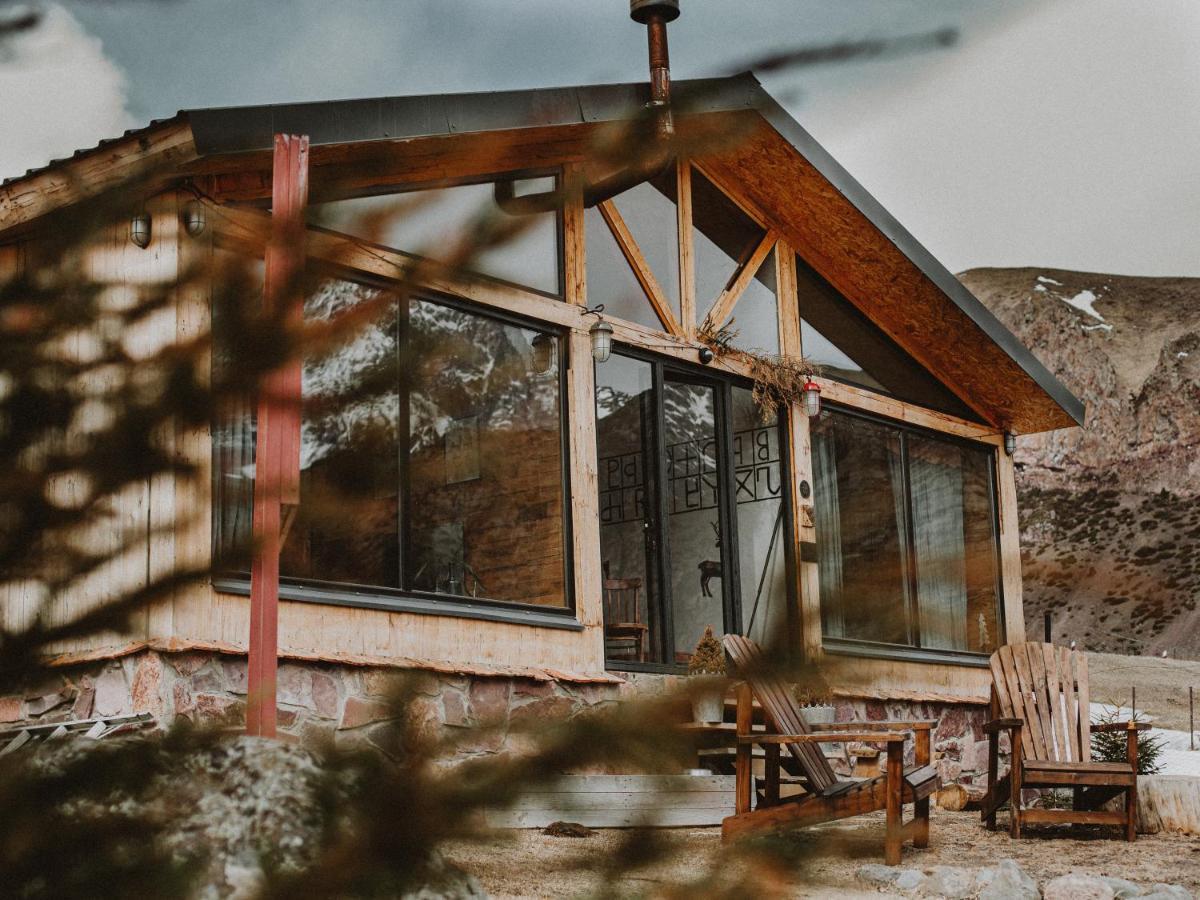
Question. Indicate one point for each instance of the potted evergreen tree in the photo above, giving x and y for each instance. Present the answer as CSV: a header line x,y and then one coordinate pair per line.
x,y
706,683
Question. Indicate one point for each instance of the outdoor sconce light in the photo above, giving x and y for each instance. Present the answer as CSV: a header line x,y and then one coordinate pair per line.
x,y
541,359
601,333
811,394
1010,443
139,229
194,218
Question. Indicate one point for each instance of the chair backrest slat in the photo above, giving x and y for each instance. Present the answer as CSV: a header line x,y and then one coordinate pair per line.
x,y
782,710
1046,686
1079,665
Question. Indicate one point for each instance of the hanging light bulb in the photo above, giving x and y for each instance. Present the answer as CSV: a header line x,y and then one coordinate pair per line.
x,y
811,395
139,229
541,357
601,333
194,218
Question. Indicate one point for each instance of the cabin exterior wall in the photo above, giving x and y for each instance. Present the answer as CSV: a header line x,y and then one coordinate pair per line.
x,y
185,655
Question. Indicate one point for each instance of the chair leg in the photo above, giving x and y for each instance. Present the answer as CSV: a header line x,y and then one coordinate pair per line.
x,y
992,802
895,785
743,774
1131,813
1015,780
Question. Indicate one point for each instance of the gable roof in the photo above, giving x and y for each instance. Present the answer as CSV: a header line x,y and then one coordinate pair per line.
x,y
1000,377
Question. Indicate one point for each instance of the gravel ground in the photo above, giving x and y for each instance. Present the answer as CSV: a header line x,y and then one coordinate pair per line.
x,y
528,864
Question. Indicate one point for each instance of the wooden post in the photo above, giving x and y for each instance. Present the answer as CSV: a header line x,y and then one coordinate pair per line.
x,y
743,774
1014,787
1131,753
1191,718
921,807
992,802
895,787
277,447
771,776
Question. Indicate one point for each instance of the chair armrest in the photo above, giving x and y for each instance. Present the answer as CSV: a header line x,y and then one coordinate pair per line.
x,y
997,725
889,725
1121,726
830,737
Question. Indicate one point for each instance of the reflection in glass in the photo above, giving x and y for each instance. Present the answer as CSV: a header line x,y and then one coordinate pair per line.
x,y
625,473
906,536
346,528
758,492
649,211
954,541
693,519
434,222
610,280
484,466
755,318
431,455
723,237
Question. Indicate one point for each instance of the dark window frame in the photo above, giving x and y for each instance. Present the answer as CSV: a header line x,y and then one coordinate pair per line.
x,y
914,652
404,598
723,384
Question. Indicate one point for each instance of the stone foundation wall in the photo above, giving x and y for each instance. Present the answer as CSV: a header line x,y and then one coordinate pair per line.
x,y
323,702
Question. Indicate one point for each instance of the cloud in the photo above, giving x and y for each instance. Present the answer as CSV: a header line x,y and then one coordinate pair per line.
x,y
58,92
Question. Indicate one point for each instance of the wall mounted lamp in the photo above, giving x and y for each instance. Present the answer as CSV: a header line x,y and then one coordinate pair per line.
x,y
139,229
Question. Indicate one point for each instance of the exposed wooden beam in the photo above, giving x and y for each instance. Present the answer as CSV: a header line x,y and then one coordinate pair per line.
x,y
725,303
641,269
787,301
574,244
155,153
687,250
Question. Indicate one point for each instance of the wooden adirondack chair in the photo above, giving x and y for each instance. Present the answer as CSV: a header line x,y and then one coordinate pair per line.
x,y
1040,697
826,798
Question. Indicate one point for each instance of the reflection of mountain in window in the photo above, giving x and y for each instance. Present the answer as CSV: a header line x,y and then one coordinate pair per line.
x,y
431,454
435,222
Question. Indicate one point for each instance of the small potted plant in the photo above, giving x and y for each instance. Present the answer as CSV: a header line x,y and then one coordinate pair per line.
x,y
706,683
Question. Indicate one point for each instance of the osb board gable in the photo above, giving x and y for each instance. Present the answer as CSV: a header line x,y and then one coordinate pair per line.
x,y
771,177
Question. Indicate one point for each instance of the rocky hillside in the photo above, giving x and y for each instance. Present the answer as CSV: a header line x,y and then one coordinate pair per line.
x,y
1109,515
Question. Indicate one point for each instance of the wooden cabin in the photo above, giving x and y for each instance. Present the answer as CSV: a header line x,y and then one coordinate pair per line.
x,y
554,531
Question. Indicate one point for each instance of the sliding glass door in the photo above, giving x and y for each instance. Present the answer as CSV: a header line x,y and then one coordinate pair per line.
x,y
693,527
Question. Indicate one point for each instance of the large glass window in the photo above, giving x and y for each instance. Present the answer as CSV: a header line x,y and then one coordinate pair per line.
x,y
434,223
431,459
692,520
906,535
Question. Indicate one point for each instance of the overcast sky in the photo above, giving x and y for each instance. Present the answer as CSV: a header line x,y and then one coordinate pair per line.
x,y
1056,133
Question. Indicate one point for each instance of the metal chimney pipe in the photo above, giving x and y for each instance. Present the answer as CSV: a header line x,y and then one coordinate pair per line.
x,y
655,14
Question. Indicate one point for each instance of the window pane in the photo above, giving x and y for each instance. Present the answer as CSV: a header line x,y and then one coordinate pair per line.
x,y
758,491
485,506
649,211
848,346
610,280
723,236
861,532
755,317
693,520
954,539
433,222
347,526
624,425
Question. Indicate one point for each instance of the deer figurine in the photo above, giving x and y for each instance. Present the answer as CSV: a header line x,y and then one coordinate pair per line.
x,y
710,568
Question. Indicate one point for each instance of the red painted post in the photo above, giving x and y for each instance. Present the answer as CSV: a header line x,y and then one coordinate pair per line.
x,y
277,447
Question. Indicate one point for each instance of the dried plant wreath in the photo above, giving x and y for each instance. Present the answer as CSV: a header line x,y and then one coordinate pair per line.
x,y
778,380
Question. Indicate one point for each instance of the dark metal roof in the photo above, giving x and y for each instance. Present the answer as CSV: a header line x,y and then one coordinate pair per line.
x,y
239,129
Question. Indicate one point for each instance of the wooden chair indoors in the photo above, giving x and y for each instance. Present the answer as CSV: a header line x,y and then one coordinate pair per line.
x,y
825,799
1040,697
625,634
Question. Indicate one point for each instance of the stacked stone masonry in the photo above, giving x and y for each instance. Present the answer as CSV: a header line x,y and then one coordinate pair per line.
x,y
348,705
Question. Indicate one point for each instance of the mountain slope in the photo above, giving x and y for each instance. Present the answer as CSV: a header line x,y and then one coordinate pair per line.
x,y
1109,513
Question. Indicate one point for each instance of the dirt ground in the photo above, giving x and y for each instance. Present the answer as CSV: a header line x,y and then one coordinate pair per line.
x,y
528,864
1162,685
